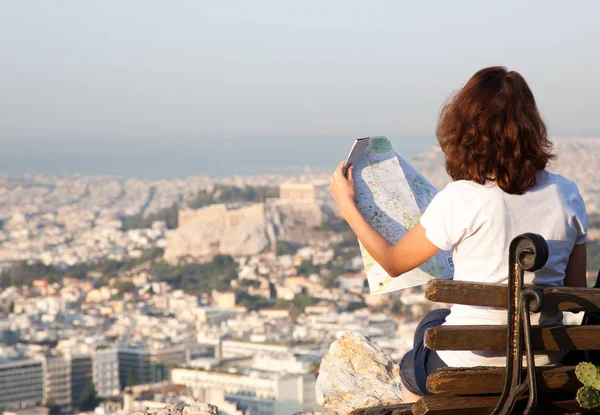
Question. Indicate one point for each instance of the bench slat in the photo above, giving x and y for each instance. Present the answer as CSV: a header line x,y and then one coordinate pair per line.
x,y
487,380
465,405
496,295
493,338
399,409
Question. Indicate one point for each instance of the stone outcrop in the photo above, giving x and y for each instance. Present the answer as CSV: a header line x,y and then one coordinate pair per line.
x,y
197,408
354,374
218,229
242,230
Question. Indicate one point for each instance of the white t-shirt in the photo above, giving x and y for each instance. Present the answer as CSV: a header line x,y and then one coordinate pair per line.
x,y
478,222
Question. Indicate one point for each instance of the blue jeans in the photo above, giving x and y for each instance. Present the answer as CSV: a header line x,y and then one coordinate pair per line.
x,y
421,362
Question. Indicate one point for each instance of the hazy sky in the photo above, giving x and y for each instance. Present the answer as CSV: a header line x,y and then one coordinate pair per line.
x,y
87,74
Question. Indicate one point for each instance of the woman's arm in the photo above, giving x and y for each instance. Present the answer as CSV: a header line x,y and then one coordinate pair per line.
x,y
412,250
576,267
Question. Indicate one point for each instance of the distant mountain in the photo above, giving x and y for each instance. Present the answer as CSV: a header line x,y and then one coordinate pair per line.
x,y
577,160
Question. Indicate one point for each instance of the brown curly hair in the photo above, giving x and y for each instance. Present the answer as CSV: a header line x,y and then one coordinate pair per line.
x,y
491,130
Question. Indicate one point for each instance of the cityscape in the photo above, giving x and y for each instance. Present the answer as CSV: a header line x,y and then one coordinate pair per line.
x,y
177,230
120,294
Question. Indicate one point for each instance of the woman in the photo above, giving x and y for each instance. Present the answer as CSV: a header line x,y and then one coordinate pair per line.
x,y
496,149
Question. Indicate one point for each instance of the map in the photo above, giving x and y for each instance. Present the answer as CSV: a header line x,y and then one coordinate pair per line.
x,y
392,195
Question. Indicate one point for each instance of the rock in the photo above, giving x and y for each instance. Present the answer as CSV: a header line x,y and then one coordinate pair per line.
x,y
243,230
357,374
218,229
197,408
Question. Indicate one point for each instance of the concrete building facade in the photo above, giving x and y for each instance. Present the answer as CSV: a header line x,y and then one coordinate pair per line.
x,y
81,376
257,393
106,372
57,380
21,383
148,365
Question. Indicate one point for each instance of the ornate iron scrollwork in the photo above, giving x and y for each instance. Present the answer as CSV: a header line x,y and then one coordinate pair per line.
x,y
527,252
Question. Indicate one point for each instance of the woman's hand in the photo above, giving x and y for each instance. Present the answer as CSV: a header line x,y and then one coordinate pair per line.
x,y
342,188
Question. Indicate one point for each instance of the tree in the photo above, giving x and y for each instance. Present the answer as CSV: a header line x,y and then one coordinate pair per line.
x,y
131,381
284,248
307,268
355,305
89,400
301,301
5,280
282,303
397,307
315,365
53,409
125,287
272,291
250,283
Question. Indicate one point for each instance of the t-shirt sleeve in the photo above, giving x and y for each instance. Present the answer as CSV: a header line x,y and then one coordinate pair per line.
x,y
578,213
443,219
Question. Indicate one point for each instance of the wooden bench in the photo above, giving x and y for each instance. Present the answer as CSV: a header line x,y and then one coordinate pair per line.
x,y
512,389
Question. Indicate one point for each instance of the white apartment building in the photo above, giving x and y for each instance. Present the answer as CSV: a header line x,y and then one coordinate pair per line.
x,y
232,348
21,383
106,372
291,363
57,379
149,364
368,324
257,392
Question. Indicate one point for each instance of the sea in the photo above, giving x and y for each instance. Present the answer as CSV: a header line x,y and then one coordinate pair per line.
x,y
177,158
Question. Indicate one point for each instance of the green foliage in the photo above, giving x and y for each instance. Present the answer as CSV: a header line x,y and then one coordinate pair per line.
x,y
249,283
397,307
282,303
314,367
244,194
203,198
195,277
337,225
299,302
230,194
131,381
284,248
272,291
169,215
355,305
89,400
23,273
53,409
587,374
307,268
252,302
220,194
125,287
5,280
589,395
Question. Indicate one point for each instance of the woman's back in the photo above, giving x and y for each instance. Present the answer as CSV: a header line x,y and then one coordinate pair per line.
x,y
496,149
478,222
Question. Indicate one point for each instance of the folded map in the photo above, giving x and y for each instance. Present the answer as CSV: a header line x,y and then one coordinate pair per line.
x,y
392,195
